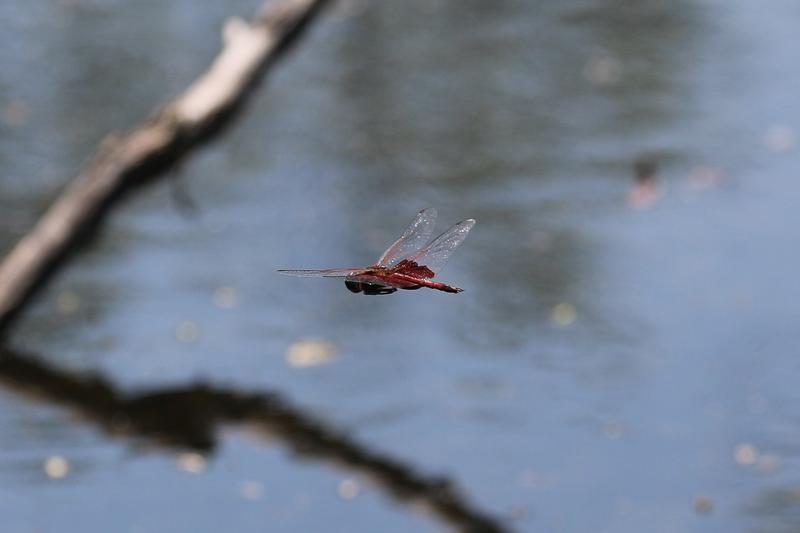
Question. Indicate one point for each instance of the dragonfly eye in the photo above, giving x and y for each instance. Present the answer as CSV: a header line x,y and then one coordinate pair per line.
x,y
354,286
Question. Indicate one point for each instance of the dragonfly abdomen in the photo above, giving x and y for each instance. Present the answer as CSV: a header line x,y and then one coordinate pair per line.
x,y
403,280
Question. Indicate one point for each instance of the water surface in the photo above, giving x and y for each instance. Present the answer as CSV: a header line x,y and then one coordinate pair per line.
x,y
607,369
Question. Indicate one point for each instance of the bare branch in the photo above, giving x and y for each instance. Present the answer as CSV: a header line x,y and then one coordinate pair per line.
x,y
128,160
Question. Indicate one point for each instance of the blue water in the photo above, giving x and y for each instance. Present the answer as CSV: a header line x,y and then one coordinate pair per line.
x,y
607,369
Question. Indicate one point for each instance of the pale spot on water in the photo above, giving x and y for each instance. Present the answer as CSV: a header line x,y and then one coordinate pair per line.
x,y
563,314
225,297
531,479
68,302
56,467
704,177
613,430
541,241
310,352
603,71
768,463
519,513
16,113
703,504
348,489
187,331
251,490
644,195
779,138
191,462
745,454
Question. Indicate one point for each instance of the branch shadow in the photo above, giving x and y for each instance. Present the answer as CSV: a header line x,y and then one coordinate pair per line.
x,y
189,416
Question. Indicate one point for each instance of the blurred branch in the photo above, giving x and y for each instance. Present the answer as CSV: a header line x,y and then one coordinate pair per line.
x,y
188,417
126,160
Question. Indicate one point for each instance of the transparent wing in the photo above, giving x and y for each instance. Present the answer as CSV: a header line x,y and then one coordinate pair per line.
x,y
435,254
415,237
325,273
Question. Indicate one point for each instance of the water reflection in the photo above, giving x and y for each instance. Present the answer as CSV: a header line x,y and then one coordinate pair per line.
x,y
190,417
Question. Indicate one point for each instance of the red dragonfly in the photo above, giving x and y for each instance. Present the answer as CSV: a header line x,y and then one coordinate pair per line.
x,y
409,263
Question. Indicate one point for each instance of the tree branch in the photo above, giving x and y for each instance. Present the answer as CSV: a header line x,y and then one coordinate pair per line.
x,y
129,160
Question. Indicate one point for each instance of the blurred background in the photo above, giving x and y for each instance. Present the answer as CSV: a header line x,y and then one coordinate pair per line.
x,y
624,358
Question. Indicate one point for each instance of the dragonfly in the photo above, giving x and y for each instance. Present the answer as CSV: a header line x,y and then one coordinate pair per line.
x,y
410,263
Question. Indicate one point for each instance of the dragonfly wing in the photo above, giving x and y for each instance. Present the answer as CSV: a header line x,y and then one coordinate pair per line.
x,y
436,254
325,273
414,238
